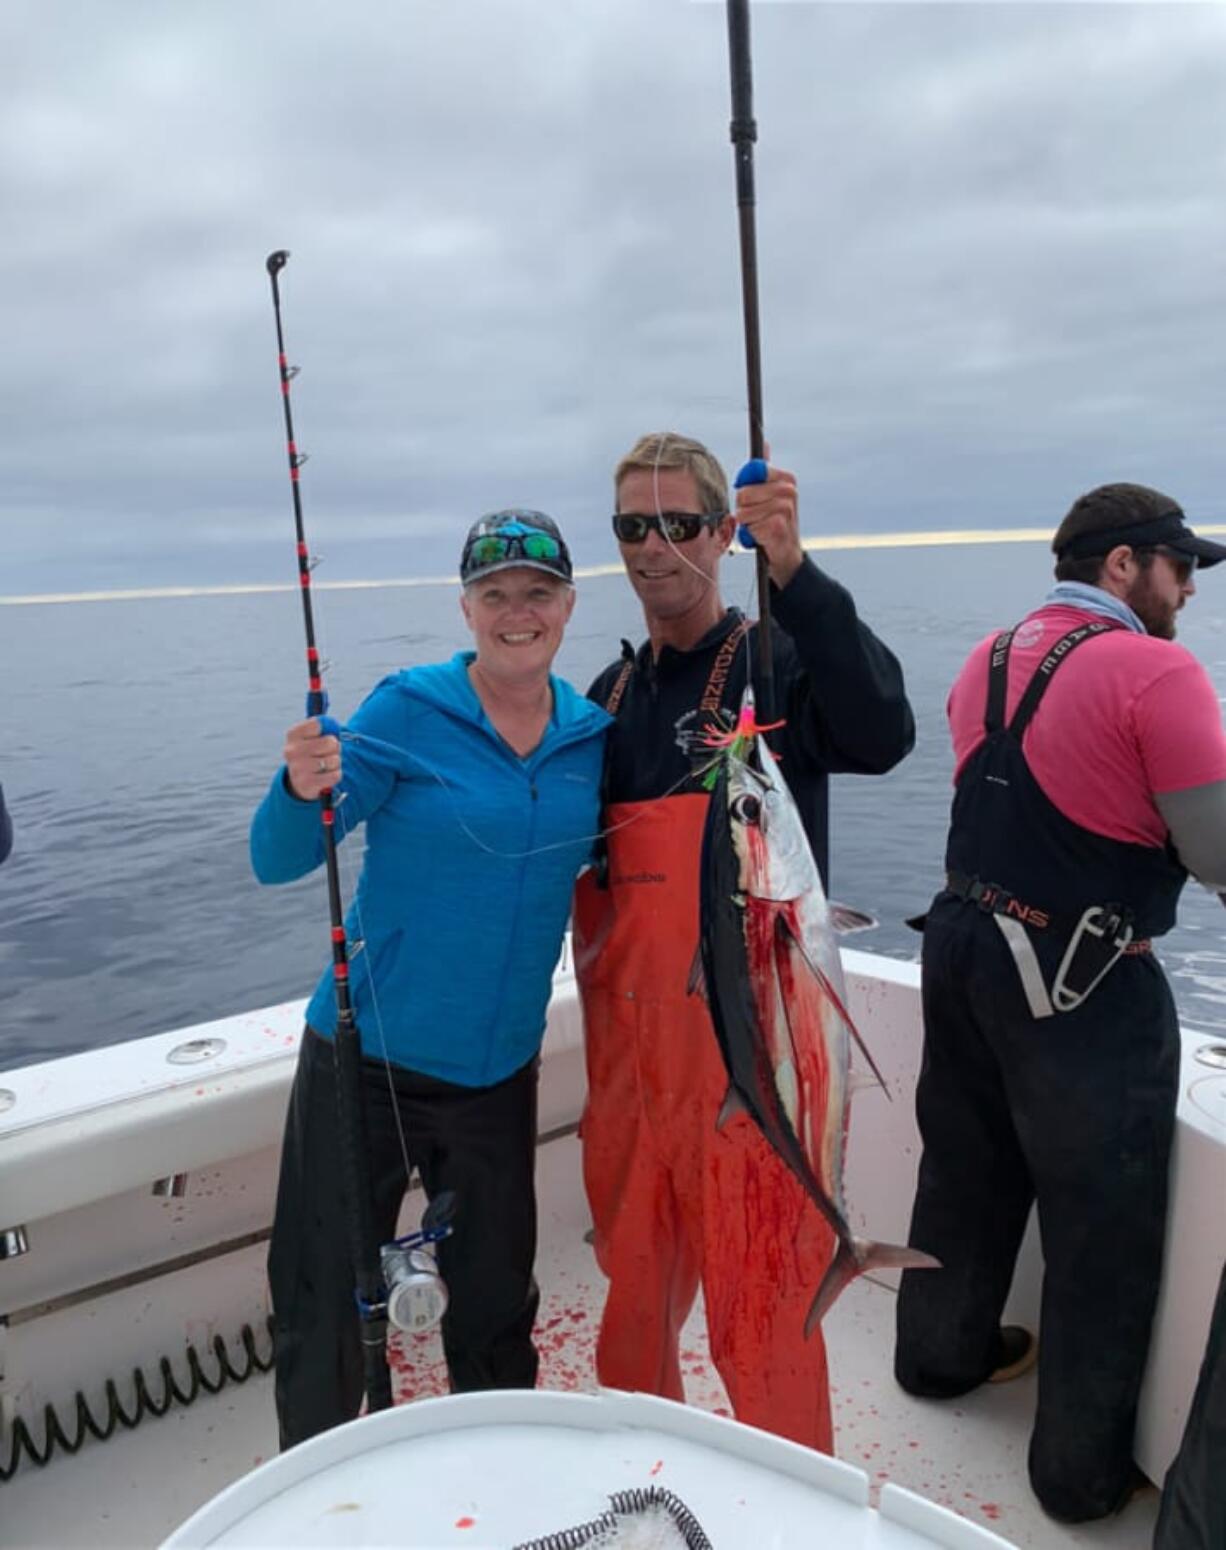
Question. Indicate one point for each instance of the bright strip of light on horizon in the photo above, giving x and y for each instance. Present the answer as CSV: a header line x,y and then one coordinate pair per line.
x,y
936,538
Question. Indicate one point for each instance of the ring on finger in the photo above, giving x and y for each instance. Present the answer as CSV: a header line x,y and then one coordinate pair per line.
x,y
322,766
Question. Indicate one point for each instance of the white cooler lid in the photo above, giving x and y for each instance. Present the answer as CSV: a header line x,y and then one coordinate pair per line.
x,y
478,1471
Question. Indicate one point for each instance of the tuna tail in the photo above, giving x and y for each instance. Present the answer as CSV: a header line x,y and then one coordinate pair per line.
x,y
856,1257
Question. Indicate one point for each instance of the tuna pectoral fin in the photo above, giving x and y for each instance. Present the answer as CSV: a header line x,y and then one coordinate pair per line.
x,y
856,1257
824,981
845,918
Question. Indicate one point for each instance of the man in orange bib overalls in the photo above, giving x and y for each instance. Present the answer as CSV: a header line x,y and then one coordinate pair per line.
x,y
676,1201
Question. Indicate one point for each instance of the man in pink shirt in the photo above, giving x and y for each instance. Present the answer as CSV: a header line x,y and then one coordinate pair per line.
x,y
1090,779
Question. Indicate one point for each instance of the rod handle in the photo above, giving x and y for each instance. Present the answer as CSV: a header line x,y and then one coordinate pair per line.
x,y
753,472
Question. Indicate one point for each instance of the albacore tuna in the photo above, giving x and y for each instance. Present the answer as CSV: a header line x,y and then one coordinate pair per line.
x,y
774,983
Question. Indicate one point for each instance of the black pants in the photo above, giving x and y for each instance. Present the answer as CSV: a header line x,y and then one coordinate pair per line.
x,y
1077,1111
479,1142
1193,1515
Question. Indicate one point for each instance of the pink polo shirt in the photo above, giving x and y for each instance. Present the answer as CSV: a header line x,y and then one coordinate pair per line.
x,y
1125,716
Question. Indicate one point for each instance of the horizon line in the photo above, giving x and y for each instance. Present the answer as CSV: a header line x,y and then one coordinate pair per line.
x,y
934,538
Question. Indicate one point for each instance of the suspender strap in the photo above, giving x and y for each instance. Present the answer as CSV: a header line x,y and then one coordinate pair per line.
x,y
712,695
998,680
1046,671
619,687
710,701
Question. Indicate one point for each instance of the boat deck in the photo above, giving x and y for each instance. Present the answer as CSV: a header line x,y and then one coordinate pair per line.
x,y
969,1455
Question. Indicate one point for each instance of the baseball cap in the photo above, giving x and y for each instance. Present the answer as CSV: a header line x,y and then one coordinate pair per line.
x,y
1130,514
516,537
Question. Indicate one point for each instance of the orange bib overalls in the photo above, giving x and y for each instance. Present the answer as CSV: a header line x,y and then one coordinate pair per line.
x,y
676,1201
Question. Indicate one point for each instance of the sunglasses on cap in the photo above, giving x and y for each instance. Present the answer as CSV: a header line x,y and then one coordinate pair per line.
x,y
678,527
493,548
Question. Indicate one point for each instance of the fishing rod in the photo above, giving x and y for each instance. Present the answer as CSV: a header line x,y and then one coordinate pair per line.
x,y
347,1049
744,131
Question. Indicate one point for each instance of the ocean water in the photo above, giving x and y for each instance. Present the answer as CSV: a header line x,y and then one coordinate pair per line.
x,y
140,735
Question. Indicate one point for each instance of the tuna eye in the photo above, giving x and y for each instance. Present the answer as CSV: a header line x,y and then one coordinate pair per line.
x,y
747,809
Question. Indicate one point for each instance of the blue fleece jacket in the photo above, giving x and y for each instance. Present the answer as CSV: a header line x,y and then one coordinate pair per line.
x,y
471,853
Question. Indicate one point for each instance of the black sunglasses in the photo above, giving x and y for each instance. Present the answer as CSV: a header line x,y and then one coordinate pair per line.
x,y
679,527
1182,564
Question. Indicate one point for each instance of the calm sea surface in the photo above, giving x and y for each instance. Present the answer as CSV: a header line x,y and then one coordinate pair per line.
x,y
140,736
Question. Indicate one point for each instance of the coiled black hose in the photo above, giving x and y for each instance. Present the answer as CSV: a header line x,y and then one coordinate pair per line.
x,y
56,1438
627,1504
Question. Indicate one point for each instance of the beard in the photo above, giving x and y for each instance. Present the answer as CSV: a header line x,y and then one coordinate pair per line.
x,y
1154,612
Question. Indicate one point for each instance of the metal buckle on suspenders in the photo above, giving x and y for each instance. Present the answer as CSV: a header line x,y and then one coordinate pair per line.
x,y
1098,942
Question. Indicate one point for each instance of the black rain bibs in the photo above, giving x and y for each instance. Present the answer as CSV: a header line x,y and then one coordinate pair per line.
x,y
1068,901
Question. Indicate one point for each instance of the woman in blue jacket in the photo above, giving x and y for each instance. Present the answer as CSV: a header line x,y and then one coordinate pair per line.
x,y
478,781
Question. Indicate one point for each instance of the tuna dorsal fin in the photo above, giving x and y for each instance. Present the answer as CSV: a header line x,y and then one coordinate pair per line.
x,y
824,981
696,985
845,918
732,1105
860,1081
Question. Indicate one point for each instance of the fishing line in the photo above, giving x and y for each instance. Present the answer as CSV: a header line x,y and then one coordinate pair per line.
x,y
349,877
536,850
711,581
350,883
355,898
354,891
352,874
351,1124
743,131
752,594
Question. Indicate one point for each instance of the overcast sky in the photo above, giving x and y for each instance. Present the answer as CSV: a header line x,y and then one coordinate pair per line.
x,y
992,245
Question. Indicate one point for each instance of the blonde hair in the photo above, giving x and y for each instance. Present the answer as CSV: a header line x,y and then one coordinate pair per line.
x,y
665,449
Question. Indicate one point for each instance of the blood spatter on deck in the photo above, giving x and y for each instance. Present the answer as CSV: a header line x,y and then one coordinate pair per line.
x,y
565,1338
566,1332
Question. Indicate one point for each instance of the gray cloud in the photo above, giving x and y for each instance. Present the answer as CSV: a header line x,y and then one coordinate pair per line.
x,y
989,237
